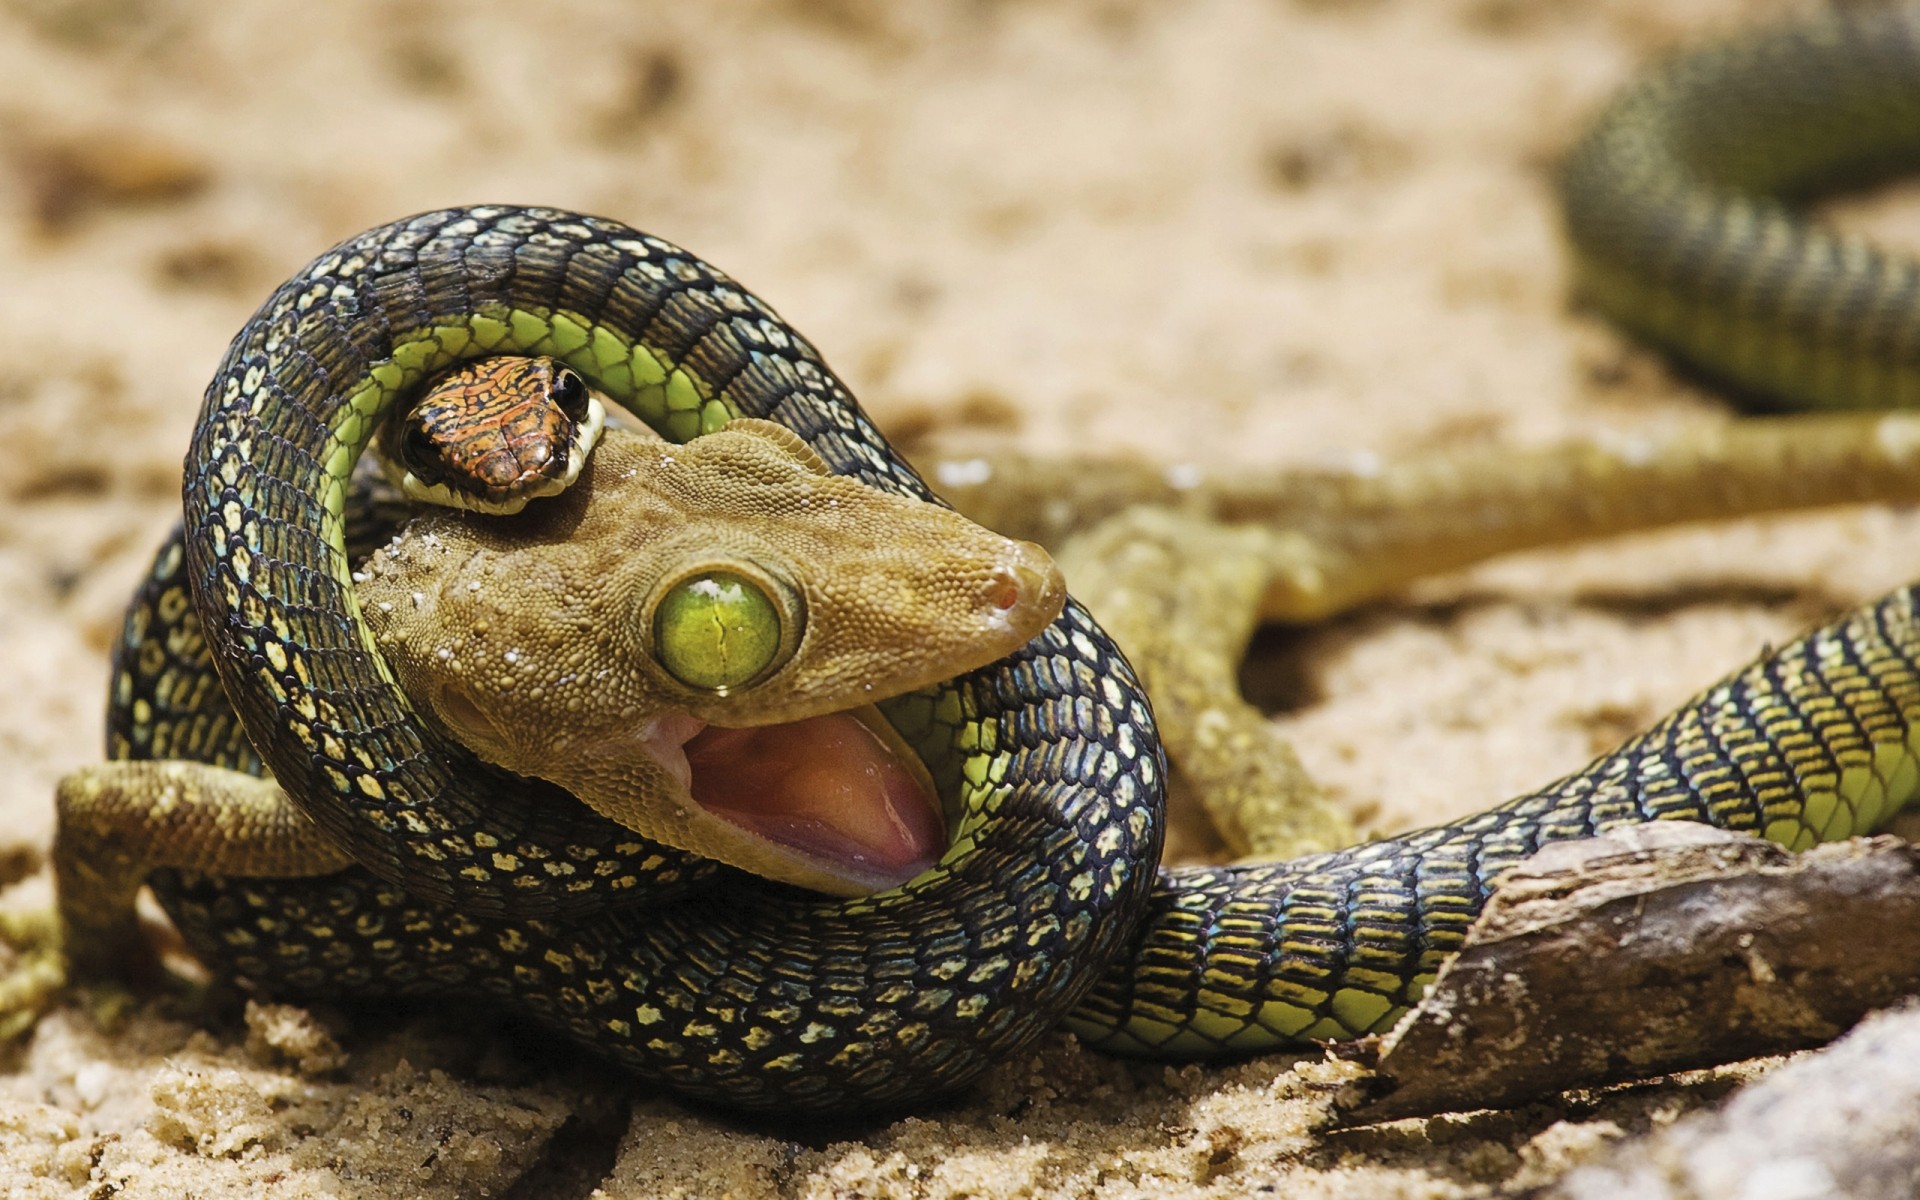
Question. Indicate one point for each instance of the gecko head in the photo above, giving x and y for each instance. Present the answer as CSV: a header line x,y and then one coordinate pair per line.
x,y
691,639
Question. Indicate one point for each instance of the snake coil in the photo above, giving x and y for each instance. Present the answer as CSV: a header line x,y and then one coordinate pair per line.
x,y
767,999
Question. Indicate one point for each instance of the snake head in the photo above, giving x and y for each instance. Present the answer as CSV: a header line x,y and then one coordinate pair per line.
x,y
691,638
493,434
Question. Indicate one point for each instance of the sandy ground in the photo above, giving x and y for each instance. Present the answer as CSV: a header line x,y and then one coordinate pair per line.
x,y
1211,231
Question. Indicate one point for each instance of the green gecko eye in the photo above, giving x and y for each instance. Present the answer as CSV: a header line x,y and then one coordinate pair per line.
x,y
718,631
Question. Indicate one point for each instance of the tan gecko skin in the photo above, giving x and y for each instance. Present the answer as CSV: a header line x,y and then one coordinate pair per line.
x,y
1812,742
1183,563
536,641
881,595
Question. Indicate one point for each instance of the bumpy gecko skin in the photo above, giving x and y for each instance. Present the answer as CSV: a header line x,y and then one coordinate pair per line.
x,y
543,643
1042,762
1045,906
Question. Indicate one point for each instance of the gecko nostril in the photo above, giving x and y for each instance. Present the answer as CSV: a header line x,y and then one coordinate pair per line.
x,y
1003,590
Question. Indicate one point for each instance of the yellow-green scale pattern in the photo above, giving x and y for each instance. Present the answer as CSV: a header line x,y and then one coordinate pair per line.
x,y
476,880
759,998
1677,205
1812,743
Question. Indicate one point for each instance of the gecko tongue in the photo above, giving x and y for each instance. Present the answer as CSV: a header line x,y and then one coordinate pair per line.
x,y
827,787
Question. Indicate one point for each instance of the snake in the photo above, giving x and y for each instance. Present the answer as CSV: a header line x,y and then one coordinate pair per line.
x,y
1049,908
493,436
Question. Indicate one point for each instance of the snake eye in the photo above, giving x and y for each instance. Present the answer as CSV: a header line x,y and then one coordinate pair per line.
x,y
419,448
718,631
569,391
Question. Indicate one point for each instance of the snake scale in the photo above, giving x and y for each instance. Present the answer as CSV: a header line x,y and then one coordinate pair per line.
x,y
1049,907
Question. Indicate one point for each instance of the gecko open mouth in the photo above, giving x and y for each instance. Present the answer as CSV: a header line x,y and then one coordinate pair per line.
x,y
840,792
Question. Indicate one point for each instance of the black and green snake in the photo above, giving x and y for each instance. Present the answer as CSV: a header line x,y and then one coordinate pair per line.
x,y
760,997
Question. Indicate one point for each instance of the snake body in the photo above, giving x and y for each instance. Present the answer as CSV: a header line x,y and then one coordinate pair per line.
x,y
1048,756
1678,208
1048,906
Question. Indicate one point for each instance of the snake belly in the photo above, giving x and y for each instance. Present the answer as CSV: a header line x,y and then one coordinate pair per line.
x,y
765,999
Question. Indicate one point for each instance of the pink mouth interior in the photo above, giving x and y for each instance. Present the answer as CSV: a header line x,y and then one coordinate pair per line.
x,y
826,786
